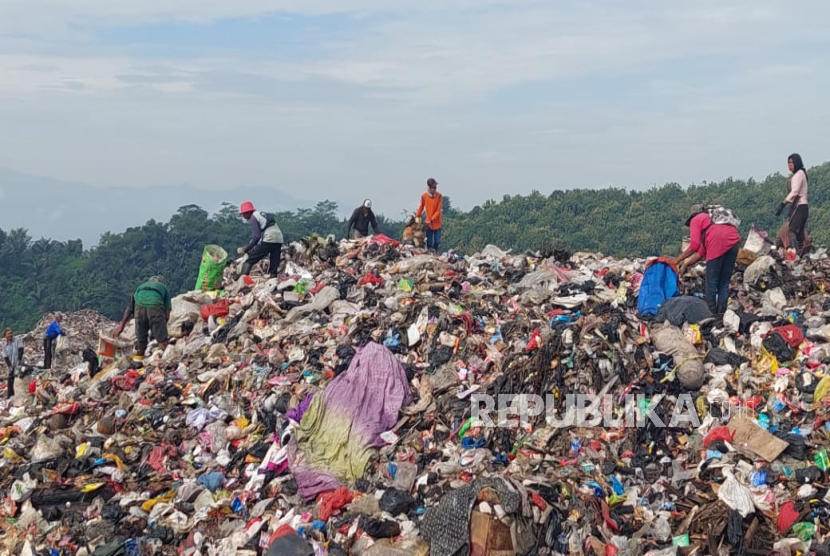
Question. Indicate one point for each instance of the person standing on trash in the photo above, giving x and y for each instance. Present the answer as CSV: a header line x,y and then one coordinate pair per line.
x,y
49,344
797,199
266,240
13,355
362,216
431,204
151,306
719,245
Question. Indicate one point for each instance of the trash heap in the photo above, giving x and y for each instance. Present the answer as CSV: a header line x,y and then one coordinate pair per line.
x,y
331,411
82,329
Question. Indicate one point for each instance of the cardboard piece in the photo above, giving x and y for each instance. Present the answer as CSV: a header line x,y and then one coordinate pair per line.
x,y
748,435
489,536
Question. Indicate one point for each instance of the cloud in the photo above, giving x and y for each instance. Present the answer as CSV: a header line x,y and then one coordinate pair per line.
x,y
372,93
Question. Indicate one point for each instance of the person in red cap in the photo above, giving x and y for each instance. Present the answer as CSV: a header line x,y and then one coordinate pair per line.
x,y
431,204
266,240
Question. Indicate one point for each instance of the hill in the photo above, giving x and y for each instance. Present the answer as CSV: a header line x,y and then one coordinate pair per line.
x,y
45,275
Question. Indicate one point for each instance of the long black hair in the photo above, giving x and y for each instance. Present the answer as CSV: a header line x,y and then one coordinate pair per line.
x,y
797,164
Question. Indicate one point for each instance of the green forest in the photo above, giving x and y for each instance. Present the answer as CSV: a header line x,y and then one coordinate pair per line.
x,y
44,275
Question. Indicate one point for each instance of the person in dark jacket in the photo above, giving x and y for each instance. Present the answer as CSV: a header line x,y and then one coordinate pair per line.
x,y
360,220
52,332
797,199
266,240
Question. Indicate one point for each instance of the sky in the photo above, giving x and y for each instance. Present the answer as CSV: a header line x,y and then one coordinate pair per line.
x,y
347,99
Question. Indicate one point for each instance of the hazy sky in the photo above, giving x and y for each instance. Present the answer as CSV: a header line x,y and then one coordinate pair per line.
x,y
355,98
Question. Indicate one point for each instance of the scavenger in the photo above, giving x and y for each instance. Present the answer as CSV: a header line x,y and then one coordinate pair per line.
x,y
359,222
53,331
431,205
13,355
797,199
718,241
266,240
151,306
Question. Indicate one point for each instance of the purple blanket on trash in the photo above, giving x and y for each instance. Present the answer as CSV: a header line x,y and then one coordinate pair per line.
x,y
340,431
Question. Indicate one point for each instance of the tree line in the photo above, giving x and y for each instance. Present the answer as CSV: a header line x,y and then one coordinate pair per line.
x,y
46,275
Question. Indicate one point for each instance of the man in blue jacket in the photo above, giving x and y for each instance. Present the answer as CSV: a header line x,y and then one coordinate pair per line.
x,y
52,332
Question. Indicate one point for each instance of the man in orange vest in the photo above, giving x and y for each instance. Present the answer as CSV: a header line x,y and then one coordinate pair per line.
x,y
431,203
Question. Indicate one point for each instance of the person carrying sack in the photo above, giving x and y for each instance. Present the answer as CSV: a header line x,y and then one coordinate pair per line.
x,y
53,332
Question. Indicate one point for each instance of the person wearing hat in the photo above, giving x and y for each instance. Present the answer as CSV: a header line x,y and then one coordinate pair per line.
x,y
151,306
431,204
266,240
718,244
359,222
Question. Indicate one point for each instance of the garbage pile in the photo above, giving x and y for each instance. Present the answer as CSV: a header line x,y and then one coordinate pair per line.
x,y
341,409
82,329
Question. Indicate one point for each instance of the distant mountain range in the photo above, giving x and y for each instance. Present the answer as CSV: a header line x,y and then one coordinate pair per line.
x,y
64,210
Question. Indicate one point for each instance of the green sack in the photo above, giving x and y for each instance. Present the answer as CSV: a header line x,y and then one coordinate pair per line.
x,y
214,259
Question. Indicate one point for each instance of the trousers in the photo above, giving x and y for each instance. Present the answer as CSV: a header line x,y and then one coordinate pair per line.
x,y
49,345
718,275
433,238
798,223
149,319
259,252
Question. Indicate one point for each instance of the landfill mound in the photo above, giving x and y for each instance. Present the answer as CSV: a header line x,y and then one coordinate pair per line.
x,y
336,410
82,329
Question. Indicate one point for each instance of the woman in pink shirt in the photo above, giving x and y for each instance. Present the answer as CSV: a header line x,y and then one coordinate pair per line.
x,y
719,245
797,199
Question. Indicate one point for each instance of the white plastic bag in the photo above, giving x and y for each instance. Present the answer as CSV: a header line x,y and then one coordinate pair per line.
x,y
735,495
62,344
22,489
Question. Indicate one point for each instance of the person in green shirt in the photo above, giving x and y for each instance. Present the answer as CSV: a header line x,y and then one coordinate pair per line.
x,y
151,306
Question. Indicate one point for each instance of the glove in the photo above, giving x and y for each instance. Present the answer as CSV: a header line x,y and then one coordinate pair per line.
x,y
780,209
241,250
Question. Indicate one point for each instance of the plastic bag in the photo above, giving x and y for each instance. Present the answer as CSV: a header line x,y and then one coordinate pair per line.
x,y
45,449
396,502
735,495
62,345
22,489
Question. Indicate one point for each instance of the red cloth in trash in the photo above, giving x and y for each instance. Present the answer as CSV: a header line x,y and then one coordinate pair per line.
x,y
787,516
370,279
157,458
718,433
127,380
384,240
333,500
67,408
281,531
219,309
791,334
